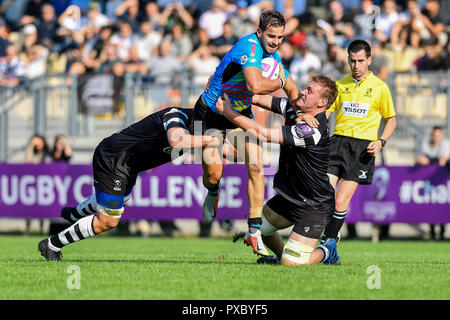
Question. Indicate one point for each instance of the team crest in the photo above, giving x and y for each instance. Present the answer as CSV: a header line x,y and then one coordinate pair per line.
x,y
244,60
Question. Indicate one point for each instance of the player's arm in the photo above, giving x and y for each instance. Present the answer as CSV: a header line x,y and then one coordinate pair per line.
x,y
257,84
180,138
290,88
223,106
262,101
375,146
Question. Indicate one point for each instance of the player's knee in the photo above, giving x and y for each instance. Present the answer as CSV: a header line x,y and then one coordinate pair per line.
x,y
255,169
296,253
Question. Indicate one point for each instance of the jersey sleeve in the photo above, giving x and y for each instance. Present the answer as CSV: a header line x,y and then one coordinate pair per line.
x,y
280,105
174,118
387,105
248,53
301,135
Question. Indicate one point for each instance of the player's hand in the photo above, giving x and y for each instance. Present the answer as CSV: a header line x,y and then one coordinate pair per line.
x,y
374,147
223,104
309,119
215,142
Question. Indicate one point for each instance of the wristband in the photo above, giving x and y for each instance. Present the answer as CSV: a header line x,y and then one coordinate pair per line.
x,y
383,142
282,83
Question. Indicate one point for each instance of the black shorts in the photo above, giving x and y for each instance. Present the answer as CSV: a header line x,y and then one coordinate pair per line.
x,y
308,222
350,160
107,180
211,120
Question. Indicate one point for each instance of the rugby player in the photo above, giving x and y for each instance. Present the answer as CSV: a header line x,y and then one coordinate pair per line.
x,y
363,99
239,75
117,161
305,196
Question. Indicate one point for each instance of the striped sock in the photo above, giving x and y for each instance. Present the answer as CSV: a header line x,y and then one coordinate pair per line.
x,y
335,224
85,208
82,229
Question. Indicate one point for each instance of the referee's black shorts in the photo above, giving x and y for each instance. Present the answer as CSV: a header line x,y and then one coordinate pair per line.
x,y
308,222
350,160
211,120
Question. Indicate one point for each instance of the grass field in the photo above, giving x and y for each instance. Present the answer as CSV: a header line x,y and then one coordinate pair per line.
x,y
196,268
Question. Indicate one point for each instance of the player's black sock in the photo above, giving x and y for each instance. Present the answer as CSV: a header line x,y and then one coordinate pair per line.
x,y
335,224
82,229
253,224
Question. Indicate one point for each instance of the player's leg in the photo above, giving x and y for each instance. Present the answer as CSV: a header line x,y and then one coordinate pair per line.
x,y
343,196
86,207
212,173
109,211
271,222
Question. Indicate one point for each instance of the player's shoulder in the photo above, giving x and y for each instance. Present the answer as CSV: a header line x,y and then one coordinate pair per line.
x,y
377,82
250,40
177,112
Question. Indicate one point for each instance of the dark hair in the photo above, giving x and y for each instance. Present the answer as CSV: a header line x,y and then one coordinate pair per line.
x,y
330,90
437,128
358,45
271,18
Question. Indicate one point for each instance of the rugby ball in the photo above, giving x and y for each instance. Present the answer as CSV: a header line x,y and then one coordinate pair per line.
x,y
270,68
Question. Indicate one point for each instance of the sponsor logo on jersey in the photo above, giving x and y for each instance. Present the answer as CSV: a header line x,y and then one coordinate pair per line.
x,y
252,51
252,40
303,130
355,109
244,60
167,150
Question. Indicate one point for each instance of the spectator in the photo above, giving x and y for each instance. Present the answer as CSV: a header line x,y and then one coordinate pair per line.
x,y
201,39
37,150
202,65
334,67
164,65
338,19
435,149
364,22
152,15
30,37
286,52
134,64
407,30
128,11
96,19
303,64
94,47
434,19
175,13
240,20
47,26
435,58
292,22
147,41
212,20
181,43
32,13
110,61
124,40
35,63
110,9
379,65
385,22
318,42
62,151
11,68
224,43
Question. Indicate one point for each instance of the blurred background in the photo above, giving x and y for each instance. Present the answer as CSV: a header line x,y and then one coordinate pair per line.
x,y
74,72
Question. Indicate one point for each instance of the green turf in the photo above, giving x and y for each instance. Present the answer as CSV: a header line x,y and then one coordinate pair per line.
x,y
177,268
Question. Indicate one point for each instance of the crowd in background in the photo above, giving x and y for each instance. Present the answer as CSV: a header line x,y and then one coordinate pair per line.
x,y
165,40
160,39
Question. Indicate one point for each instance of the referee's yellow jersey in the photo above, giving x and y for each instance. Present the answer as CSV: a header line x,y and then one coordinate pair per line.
x,y
360,106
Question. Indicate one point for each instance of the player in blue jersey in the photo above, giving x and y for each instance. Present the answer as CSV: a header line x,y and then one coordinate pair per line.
x,y
239,75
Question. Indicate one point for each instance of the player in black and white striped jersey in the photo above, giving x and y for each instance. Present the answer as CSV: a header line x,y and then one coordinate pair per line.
x,y
117,161
305,196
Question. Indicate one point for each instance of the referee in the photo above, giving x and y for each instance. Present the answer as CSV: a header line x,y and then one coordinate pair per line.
x,y
362,100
